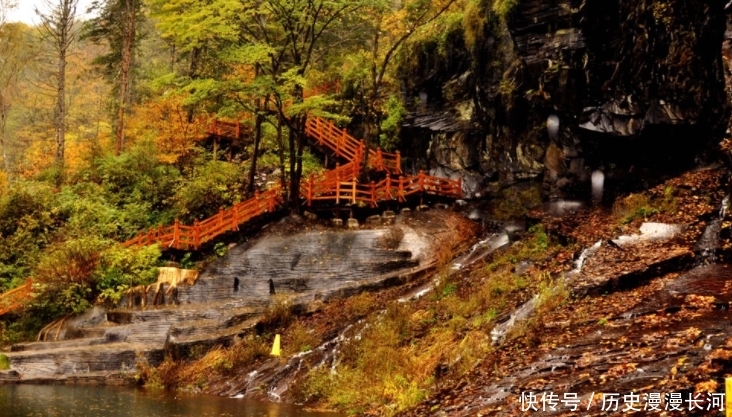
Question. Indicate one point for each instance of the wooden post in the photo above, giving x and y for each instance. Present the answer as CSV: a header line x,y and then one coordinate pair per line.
x,y
361,150
340,139
310,190
373,194
338,172
176,234
353,191
401,189
398,162
196,234
338,192
235,217
388,186
221,216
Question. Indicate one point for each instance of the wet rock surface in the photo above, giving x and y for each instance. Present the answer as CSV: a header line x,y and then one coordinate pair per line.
x,y
662,330
306,268
626,91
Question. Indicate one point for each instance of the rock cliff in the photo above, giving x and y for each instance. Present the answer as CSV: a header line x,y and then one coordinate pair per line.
x,y
635,85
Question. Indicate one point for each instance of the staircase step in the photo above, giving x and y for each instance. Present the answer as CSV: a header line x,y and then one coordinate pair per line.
x,y
61,344
58,364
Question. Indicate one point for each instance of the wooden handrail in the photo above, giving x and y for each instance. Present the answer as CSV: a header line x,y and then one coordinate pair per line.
x,y
348,147
15,298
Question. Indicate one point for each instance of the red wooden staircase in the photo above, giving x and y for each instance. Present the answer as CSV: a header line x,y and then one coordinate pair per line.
x,y
338,186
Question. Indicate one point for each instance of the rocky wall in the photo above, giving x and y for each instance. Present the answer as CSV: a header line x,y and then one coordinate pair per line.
x,y
637,86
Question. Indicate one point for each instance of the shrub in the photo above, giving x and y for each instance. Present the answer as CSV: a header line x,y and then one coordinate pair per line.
x,y
298,338
513,202
67,273
277,314
212,185
640,206
122,268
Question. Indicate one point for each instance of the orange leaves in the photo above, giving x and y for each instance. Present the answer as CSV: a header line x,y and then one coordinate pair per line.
x,y
166,121
699,301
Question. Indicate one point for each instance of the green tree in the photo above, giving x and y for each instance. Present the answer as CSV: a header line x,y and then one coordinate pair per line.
x,y
17,51
57,27
118,25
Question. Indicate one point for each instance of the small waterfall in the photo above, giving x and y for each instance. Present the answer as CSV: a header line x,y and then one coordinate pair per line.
x,y
580,262
709,244
598,184
498,334
723,209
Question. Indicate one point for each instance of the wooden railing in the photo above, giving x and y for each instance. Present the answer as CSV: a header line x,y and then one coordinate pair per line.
x,y
346,146
11,300
387,189
232,130
179,236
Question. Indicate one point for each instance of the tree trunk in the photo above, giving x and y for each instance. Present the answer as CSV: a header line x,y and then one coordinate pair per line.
x,y
281,145
128,42
4,109
60,119
257,139
293,199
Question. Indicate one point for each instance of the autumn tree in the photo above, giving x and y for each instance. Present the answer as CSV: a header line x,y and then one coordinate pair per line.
x,y
9,70
117,25
57,27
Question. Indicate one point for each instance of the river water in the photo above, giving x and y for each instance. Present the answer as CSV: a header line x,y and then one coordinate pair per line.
x,y
88,401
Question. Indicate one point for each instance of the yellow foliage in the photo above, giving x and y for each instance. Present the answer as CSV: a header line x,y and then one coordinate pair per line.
x,y
166,121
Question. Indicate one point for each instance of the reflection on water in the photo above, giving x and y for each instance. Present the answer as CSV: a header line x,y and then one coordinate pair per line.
x,y
82,401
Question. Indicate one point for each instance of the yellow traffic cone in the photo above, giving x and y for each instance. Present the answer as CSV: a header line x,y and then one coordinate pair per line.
x,y
728,396
276,346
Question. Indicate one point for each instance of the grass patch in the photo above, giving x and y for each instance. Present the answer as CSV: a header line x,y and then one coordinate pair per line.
x,y
504,8
277,314
360,306
297,338
513,203
4,362
215,363
641,206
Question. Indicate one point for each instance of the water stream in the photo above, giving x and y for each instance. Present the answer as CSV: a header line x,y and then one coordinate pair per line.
x,y
87,401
